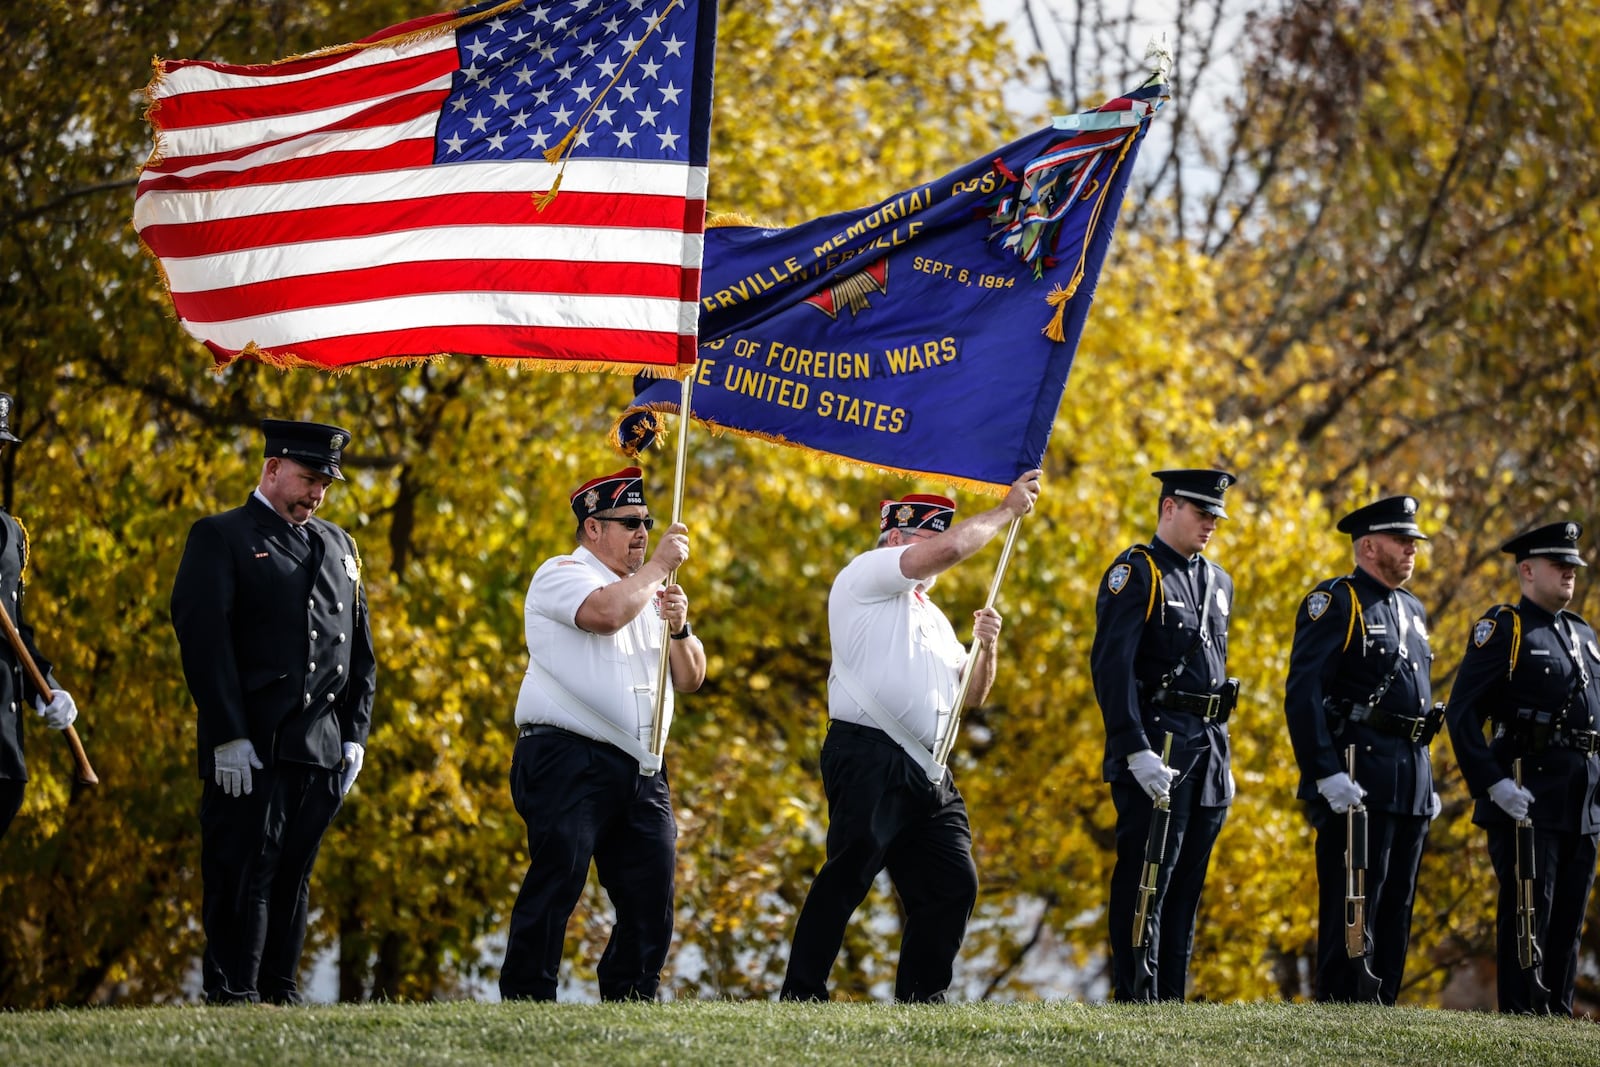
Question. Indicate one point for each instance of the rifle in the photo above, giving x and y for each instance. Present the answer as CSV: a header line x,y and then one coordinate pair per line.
x,y
1529,958
1155,850
1356,945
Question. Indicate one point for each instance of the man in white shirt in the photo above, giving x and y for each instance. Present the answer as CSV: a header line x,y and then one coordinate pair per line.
x,y
896,668
583,776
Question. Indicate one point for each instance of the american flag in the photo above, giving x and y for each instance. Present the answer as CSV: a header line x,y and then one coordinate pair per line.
x,y
381,201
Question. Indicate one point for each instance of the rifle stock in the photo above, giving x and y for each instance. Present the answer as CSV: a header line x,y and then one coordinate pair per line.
x,y
1529,957
1355,890
1155,852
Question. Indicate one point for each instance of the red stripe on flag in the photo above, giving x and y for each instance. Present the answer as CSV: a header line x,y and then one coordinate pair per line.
x,y
215,107
443,276
389,113
403,155
575,345
183,240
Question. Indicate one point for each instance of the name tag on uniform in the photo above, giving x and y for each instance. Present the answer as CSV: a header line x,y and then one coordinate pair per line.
x,y
1538,651
1377,629
1176,604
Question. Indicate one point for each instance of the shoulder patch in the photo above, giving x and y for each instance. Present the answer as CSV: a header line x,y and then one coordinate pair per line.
x,y
1117,578
1482,630
1317,603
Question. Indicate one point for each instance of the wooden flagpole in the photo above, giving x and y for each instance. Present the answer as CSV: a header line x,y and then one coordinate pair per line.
x,y
80,759
658,733
947,740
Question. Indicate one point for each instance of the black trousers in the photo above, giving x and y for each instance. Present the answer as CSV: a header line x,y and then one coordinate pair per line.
x,y
1191,833
1564,864
1394,855
586,800
10,802
256,855
884,813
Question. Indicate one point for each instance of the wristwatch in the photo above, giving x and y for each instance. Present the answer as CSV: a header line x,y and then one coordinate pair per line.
x,y
685,632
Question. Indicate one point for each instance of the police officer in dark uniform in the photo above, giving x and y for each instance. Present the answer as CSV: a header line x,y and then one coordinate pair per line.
x,y
16,687
1358,675
271,621
1531,670
1160,665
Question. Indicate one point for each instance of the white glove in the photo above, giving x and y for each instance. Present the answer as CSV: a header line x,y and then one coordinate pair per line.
x,y
354,755
1154,777
1511,798
1340,792
60,712
234,761
1435,806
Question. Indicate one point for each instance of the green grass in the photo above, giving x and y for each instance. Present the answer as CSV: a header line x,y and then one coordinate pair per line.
x,y
706,1032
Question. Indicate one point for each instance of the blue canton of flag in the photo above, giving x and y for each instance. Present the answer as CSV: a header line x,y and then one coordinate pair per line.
x,y
529,75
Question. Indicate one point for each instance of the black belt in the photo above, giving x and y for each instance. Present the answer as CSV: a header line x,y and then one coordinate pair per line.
x,y
1585,741
865,733
1410,727
546,730
1209,706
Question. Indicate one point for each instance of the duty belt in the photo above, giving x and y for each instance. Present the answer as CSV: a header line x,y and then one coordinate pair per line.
x,y
1412,728
1211,707
1585,741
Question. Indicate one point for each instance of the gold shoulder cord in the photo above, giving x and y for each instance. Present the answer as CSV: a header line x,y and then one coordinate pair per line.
x,y
1516,637
22,575
1157,590
1355,617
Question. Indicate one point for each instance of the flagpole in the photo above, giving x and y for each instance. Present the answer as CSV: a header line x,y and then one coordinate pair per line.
x,y
947,740
658,733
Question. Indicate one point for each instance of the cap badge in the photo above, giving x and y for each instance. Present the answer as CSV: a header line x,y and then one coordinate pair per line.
x,y
5,406
1410,505
903,513
336,442
591,499
1223,483
1571,531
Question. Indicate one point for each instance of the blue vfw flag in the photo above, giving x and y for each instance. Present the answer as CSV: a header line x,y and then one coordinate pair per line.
x,y
930,334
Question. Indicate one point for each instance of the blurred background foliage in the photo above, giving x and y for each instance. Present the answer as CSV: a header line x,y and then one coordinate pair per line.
x,y
1364,265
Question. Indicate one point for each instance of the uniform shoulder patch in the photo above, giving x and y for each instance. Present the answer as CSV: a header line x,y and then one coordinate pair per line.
x,y
1482,630
1117,578
1317,604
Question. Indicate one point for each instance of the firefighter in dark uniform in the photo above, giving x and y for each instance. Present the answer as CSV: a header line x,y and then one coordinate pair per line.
x,y
1160,666
16,688
271,621
1531,671
1358,675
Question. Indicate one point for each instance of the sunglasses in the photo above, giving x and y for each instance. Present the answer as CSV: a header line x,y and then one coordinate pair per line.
x,y
630,522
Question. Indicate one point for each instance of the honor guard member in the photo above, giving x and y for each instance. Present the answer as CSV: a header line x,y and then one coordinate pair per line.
x,y
16,685
897,667
583,774
1160,666
271,621
1358,675
1530,672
